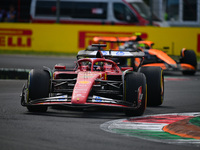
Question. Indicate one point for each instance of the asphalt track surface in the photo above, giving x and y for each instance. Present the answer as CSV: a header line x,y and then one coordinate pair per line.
x,y
63,129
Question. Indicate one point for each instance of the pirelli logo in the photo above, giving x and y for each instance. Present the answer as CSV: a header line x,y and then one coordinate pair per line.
x,y
85,37
15,37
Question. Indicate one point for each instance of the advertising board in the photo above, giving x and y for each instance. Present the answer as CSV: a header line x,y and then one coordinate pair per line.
x,y
72,38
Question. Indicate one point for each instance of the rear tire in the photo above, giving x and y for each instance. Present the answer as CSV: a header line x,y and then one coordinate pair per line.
x,y
189,57
134,81
38,87
155,85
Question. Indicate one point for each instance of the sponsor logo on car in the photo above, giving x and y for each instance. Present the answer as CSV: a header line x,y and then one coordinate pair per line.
x,y
120,53
104,52
98,99
102,99
84,82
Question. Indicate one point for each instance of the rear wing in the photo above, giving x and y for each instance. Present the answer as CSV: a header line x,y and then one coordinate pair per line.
x,y
113,39
97,40
108,53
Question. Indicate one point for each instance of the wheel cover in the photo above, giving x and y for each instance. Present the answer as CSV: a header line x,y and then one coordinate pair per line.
x,y
162,86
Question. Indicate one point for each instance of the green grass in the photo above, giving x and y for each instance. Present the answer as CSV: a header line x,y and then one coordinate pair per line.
x,y
195,121
198,58
19,52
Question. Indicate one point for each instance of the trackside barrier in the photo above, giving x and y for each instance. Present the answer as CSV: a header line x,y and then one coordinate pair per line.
x,y
13,73
71,38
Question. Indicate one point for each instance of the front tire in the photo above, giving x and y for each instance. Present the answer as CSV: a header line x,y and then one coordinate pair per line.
x,y
135,93
155,85
38,87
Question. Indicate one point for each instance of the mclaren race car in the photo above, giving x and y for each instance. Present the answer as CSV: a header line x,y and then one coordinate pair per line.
x,y
96,81
153,57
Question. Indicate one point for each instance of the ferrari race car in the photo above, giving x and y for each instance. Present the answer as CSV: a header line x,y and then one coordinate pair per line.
x,y
96,81
154,57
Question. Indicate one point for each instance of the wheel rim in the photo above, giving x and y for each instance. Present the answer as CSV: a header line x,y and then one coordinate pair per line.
x,y
162,86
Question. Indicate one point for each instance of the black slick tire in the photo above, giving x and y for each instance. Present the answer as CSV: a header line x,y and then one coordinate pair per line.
x,y
155,85
133,82
38,87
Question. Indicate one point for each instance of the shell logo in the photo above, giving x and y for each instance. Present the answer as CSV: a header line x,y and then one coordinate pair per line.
x,y
84,82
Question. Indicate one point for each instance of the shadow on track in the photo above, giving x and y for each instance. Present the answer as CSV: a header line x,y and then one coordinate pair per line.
x,y
97,113
86,113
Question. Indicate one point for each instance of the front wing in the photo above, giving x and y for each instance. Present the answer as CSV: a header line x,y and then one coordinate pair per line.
x,y
65,100
168,67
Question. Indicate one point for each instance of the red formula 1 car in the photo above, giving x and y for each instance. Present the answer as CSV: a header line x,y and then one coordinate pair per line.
x,y
95,82
153,57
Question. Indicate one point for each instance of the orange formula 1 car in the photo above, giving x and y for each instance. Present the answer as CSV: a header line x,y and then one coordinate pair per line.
x,y
153,57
